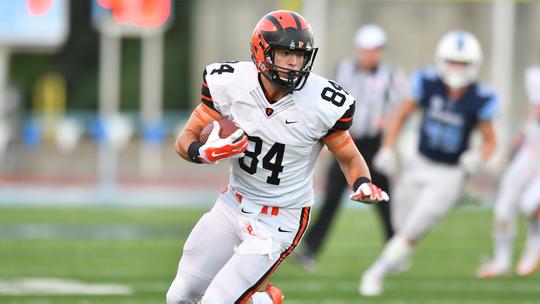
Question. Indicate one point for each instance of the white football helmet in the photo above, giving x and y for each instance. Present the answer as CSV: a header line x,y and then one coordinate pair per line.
x,y
463,47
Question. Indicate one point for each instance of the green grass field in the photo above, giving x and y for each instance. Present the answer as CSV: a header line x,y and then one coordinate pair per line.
x,y
140,248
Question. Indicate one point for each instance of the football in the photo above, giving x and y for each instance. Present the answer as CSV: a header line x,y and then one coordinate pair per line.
x,y
226,128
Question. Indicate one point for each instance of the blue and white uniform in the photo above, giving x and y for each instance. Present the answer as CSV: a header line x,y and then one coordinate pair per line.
x,y
446,124
431,182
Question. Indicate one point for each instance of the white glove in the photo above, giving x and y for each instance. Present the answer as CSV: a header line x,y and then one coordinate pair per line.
x,y
368,193
386,161
216,148
471,162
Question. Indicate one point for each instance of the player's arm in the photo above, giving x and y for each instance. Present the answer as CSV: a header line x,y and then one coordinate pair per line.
x,y
485,126
200,117
489,140
396,122
386,159
349,158
354,168
187,143
472,160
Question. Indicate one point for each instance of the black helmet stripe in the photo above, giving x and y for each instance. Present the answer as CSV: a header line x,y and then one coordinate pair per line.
x,y
274,21
297,20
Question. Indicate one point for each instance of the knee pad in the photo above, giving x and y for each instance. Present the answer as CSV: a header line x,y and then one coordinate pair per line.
x,y
180,292
530,203
501,227
215,294
505,211
530,208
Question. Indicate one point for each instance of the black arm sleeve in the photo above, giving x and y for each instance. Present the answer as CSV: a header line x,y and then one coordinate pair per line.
x,y
345,122
206,97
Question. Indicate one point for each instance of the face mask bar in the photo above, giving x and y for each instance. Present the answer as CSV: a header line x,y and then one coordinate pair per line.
x,y
295,79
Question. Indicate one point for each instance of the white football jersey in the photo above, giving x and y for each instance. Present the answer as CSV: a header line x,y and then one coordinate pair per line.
x,y
284,136
532,86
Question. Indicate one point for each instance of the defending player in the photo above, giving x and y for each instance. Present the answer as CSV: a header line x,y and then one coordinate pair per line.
x,y
519,187
288,114
453,105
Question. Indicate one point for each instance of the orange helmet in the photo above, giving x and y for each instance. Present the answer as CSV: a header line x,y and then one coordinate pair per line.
x,y
287,30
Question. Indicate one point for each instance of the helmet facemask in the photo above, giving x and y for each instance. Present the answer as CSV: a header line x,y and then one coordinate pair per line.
x,y
284,30
458,59
456,76
295,79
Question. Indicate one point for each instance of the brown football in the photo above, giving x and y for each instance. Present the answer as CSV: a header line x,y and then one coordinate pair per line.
x,y
226,128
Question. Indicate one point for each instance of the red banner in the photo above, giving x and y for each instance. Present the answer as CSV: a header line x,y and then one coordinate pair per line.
x,y
141,13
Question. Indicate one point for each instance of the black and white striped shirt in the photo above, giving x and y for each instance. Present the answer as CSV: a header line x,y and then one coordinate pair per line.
x,y
377,93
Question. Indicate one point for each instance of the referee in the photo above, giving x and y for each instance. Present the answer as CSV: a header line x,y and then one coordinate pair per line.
x,y
378,89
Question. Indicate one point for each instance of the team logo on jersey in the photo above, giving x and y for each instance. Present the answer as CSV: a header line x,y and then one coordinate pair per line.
x,y
437,112
437,102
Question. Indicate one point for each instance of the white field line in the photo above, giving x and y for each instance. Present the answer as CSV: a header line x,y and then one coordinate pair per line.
x,y
532,287
56,286
434,301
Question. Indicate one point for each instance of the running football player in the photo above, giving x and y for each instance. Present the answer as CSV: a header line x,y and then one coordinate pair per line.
x,y
519,189
453,105
288,114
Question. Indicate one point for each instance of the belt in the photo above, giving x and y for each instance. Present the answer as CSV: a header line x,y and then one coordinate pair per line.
x,y
269,210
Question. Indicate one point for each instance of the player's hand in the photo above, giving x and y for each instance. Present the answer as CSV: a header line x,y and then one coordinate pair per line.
x,y
471,162
386,161
369,194
216,148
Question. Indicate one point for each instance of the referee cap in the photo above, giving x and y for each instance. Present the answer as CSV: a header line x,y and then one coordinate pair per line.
x,y
370,36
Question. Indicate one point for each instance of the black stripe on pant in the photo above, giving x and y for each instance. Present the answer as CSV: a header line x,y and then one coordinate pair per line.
x,y
304,222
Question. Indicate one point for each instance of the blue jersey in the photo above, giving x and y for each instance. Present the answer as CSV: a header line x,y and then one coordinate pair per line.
x,y
447,124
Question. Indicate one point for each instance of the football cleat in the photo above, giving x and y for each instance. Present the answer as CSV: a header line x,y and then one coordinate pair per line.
x,y
371,285
528,263
492,270
275,294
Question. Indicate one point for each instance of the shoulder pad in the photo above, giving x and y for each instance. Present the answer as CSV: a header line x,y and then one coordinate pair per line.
x,y
484,91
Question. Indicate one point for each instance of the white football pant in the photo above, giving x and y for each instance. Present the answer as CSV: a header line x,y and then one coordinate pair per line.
x,y
424,194
234,249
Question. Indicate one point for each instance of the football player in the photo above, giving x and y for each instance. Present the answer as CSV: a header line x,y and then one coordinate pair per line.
x,y
519,187
453,105
288,114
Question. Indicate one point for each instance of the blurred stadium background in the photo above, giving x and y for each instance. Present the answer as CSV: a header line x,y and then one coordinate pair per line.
x,y
94,202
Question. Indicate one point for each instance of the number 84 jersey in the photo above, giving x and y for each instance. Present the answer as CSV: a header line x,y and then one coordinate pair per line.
x,y
284,135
